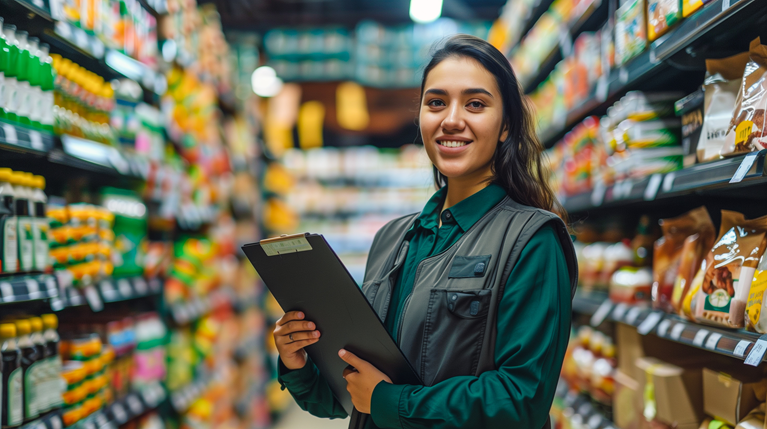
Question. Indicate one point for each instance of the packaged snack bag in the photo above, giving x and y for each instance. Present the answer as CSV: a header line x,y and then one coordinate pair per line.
x,y
721,89
756,308
748,128
691,299
668,251
662,15
630,31
693,252
731,265
690,6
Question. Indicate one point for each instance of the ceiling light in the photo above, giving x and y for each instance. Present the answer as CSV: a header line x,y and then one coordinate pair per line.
x,y
265,82
425,11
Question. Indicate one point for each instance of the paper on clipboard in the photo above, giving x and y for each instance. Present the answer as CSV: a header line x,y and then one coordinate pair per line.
x,y
285,244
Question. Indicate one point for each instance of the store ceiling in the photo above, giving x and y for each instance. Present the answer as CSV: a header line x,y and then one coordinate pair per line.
x,y
260,15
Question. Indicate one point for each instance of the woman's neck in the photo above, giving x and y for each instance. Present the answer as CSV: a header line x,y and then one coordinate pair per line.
x,y
458,189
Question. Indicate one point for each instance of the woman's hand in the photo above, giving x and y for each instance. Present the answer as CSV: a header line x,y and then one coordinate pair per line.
x,y
361,381
291,335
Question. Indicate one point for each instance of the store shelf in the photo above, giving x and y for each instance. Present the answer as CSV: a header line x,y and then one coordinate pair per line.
x,y
192,310
122,411
104,292
96,157
23,288
713,176
738,344
584,413
51,420
18,138
181,399
653,61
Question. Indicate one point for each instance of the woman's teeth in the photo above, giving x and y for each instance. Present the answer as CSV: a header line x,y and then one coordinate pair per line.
x,y
453,143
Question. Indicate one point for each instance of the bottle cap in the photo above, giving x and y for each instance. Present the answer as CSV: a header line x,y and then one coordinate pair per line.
x,y
17,177
5,174
29,179
39,182
36,324
7,330
50,321
23,327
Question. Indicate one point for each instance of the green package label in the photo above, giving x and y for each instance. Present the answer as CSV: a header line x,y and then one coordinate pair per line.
x,y
31,382
10,246
15,399
719,300
40,232
26,244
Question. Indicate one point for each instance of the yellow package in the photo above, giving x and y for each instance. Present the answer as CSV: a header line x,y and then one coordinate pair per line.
x,y
690,298
756,314
690,6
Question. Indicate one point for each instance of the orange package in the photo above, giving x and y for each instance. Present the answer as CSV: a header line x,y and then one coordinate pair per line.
x,y
694,251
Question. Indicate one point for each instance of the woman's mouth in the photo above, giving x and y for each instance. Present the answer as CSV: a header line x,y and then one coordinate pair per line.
x,y
453,143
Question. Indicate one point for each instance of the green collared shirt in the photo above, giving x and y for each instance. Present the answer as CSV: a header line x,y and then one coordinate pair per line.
x,y
533,328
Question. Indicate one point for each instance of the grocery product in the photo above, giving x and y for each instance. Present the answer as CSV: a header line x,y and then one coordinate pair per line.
x,y
8,223
756,313
693,252
730,269
690,109
748,128
668,252
691,6
630,31
21,182
631,285
52,387
720,86
30,359
13,379
662,15
130,226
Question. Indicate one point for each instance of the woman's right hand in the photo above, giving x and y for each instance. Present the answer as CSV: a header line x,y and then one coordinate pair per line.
x,y
291,334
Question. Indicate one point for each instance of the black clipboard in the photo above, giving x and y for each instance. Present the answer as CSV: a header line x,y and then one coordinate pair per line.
x,y
304,273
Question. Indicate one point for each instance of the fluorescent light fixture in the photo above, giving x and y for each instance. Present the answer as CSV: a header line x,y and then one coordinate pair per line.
x,y
125,65
425,11
265,82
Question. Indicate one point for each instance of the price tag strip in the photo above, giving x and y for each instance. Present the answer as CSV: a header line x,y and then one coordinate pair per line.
x,y
740,349
619,311
601,314
700,337
633,315
676,332
744,168
713,340
650,322
663,328
757,352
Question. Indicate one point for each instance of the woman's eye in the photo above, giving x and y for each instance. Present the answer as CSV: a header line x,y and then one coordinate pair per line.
x,y
435,103
476,105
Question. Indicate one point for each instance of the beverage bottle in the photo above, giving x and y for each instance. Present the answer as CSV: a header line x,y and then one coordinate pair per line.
x,y
29,358
52,339
39,372
3,66
10,73
12,396
20,182
24,71
40,225
47,78
9,258
35,88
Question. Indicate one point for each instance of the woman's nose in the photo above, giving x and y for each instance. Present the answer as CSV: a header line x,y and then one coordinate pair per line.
x,y
454,119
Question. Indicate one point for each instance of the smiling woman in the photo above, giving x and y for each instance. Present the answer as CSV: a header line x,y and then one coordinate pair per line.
x,y
476,289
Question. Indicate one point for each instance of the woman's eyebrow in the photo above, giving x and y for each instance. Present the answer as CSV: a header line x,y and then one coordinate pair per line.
x,y
436,91
469,91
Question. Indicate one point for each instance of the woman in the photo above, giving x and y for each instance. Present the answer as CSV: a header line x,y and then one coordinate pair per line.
x,y
476,289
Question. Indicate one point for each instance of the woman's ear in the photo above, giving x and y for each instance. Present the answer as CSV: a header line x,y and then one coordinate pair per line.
x,y
504,133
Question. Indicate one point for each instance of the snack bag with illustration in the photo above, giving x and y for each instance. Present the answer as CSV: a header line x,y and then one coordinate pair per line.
x,y
748,127
661,15
731,265
756,308
693,252
689,300
668,251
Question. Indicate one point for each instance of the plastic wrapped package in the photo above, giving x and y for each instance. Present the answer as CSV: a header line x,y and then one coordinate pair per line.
x,y
645,106
630,31
668,253
730,268
655,133
693,252
748,128
662,15
756,308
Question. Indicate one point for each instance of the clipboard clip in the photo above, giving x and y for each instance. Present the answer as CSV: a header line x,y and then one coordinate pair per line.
x,y
283,244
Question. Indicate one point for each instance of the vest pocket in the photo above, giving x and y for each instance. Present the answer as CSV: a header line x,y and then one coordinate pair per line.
x,y
453,334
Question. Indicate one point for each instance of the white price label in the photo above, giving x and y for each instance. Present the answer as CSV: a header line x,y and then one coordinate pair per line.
x,y
6,289
700,337
598,194
744,168
108,290
663,328
651,191
56,422
619,311
633,315
676,332
33,288
725,5
740,349
603,88
653,56
81,38
119,412
134,404
595,421
36,140
10,134
757,352
713,340
600,315
123,285
649,323
623,74
140,285
50,286
668,182
93,298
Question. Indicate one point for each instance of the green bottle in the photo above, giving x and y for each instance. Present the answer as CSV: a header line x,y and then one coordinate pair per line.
x,y
10,72
35,91
3,67
47,79
22,77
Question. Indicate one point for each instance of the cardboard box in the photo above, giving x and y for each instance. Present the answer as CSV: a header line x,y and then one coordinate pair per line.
x,y
627,401
629,348
678,392
754,420
728,397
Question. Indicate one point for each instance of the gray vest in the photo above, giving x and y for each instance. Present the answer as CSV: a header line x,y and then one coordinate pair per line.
x,y
448,323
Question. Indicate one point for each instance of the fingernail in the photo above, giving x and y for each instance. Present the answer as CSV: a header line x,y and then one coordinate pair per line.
x,y
310,325
316,334
300,315
341,352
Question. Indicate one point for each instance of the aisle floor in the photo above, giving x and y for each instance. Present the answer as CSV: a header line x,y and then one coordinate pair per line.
x,y
295,418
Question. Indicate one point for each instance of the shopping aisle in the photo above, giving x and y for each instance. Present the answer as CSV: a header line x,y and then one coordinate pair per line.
x,y
296,418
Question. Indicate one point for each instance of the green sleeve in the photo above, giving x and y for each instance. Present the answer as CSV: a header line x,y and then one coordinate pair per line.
x,y
533,331
310,390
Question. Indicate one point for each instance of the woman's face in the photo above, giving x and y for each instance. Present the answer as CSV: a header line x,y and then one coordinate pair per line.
x,y
461,117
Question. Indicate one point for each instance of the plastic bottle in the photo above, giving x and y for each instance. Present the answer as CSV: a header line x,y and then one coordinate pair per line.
x,y
3,67
40,372
40,225
24,75
29,360
12,386
52,339
20,182
9,257
47,78
35,89
10,73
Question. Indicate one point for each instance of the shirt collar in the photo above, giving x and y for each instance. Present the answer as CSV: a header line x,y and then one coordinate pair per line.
x,y
466,213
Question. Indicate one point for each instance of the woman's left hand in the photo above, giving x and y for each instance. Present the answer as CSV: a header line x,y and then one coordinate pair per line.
x,y
362,380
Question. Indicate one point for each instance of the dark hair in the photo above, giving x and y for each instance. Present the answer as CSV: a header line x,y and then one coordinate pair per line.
x,y
517,163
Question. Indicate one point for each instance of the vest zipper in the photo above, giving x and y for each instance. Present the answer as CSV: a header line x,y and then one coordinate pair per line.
x,y
402,317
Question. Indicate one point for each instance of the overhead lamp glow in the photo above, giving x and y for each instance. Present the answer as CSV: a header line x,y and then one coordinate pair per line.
x,y
425,11
265,82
